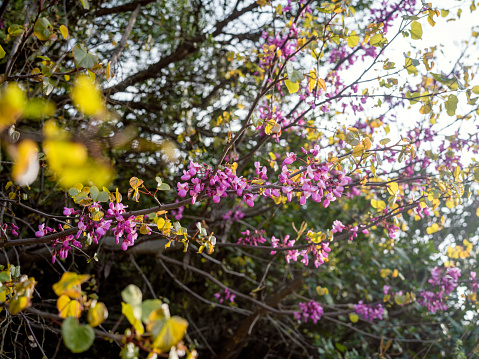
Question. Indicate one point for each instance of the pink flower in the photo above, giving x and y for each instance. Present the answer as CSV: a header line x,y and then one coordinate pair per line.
x,y
290,158
182,189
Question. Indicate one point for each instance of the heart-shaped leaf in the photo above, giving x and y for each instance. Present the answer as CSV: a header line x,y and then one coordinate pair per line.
x,y
41,29
78,338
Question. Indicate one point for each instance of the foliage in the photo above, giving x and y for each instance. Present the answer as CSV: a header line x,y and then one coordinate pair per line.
x,y
272,172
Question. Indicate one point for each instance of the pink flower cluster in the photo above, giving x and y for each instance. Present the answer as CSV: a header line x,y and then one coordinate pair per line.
x,y
252,238
422,211
319,251
93,229
123,226
217,185
316,181
446,280
233,215
311,310
10,226
225,296
60,246
338,227
474,284
368,311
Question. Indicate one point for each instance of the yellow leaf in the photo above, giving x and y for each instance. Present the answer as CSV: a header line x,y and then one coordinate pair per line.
x,y
322,84
395,273
433,229
475,90
61,154
293,87
69,160
87,97
393,188
109,72
26,166
166,331
353,317
353,39
379,205
97,314
400,299
68,281
322,291
133,317
2,52
12,105
367,144
269,126
64,31
416,30
17,305
378,40
358,150
164,226
312,80
409,67
68,307
385,272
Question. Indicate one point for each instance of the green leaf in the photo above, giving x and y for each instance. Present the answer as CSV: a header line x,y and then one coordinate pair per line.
x,y
164,187
451,83
451,105
416,31
39,108
384,141
341,347
400,299
2,52
132,295
5,276
78,338
41,29
476,178
130,351
149,306
292,87
79,52
103,197
89,61
353,39
94,191
73,192
297,76
83,58
15,30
